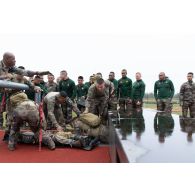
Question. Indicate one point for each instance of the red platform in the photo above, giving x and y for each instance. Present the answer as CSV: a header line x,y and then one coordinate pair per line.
x,y
26,153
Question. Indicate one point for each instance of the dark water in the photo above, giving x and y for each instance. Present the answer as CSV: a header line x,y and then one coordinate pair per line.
x,y
166,138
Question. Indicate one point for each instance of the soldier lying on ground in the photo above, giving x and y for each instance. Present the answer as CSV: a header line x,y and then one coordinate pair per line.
x,y
62,139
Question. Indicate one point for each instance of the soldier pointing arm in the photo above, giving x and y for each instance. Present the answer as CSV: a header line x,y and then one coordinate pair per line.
x,y
7,67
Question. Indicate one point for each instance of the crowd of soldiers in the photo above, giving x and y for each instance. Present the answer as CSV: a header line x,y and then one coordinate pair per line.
x,y
63,98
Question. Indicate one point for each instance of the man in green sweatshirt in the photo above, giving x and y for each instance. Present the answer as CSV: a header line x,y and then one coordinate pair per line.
x,y
138,91
125,92
67,85
163,93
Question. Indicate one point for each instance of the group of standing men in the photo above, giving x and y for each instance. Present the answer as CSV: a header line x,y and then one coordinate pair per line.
x,y
96,96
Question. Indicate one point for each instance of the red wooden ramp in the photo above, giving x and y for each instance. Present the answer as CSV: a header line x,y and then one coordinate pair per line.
x,y
25,153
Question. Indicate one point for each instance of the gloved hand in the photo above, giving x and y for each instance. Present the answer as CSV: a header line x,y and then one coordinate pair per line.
x,y
86,111
181,103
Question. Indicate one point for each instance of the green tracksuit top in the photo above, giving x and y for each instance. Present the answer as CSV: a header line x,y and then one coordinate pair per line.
x,y
163,89
125,88
138,90
68,86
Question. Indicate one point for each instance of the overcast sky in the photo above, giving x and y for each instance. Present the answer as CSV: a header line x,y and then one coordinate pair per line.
x,y
88,54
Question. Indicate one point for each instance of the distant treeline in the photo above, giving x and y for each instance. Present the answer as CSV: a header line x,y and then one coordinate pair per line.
x,y
151,95
149,98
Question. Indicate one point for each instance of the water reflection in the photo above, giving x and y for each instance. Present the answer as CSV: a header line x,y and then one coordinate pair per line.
x,y
125,127
163,125
138,123
132,121
188,126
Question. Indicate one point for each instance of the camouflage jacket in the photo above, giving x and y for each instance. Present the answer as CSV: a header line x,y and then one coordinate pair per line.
x,y
23,81
51,87
4,70
187,92
94,95
67,108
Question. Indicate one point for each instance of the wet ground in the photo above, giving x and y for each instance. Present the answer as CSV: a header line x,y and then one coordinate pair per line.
x,y
151,136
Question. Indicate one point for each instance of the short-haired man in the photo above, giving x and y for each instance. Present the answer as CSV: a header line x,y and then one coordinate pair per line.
x,y
97,100
163,93
67,85
138,91
51,85
187,96
125,92
58,109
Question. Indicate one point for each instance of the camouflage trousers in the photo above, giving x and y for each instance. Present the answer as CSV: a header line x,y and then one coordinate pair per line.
x,y
30,114
164,105
99,107
58,115
188,105
112,103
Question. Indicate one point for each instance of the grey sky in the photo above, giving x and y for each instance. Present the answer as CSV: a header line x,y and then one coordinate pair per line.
x,y
88,54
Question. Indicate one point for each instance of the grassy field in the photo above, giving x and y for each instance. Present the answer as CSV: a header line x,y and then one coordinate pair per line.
x,y
150,103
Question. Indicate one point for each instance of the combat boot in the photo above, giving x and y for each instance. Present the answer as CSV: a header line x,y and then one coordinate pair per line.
x,y
75,144
93,143
11,147
49,143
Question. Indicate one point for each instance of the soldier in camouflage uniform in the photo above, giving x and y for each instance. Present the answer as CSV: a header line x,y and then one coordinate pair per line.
x,y
125,93
58,108
51,85
97,100
81,91
187,96
28,111
8,68
109,86
67,85
113,99
163,93
138,91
